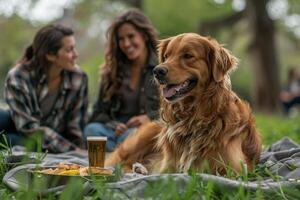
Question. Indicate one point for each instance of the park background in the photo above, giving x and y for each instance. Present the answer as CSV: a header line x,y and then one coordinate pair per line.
x,y
263,34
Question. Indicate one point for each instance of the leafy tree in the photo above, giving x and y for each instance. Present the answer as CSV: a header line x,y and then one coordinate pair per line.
x,y
172,17
14,37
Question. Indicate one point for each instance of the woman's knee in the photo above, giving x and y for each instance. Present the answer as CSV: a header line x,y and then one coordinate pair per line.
x,y
96,129
6,122
16,139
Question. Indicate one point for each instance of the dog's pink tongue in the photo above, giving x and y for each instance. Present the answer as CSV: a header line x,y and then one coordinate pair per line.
x,y
168,92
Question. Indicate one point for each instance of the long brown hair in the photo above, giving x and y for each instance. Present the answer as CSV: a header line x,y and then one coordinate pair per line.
x,y
48,40
114,57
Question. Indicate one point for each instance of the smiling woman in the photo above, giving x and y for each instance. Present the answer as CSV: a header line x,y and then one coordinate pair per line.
x,y
128,97
47,92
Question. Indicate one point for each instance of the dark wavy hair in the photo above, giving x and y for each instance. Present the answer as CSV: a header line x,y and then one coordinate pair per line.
x,y
47,40
114,57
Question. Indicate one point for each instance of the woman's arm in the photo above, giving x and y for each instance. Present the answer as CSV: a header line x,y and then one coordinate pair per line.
x,y
19,100
101,109
101,112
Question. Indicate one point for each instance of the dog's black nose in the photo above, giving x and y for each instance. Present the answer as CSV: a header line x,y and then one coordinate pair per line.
x,y
160,72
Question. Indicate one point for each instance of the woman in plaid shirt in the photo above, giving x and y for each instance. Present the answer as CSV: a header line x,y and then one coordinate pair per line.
x,y
47,92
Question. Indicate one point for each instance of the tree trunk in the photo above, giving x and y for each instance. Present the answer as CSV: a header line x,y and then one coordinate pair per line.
x,y
265,64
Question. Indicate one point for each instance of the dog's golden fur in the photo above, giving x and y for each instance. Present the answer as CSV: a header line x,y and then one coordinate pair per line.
x,y
202,119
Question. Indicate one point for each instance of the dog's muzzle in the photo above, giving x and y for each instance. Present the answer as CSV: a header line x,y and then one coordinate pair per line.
x,y
160,73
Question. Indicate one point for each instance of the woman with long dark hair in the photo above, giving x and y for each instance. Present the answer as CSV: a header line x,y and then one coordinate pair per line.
x,y
47,92
128,96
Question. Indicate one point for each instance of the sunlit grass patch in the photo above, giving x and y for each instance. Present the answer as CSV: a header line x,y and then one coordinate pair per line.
x,y
274,128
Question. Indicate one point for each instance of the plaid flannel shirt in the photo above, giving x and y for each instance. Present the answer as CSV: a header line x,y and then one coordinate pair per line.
x,y
62,129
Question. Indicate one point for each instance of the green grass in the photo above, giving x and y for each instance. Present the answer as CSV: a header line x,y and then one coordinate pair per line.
x,y
272,129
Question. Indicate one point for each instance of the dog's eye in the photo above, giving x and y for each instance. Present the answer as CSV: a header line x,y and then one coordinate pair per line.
x,y
166,56
187,56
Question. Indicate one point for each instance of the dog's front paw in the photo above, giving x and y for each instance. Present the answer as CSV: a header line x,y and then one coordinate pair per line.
x,y
139,168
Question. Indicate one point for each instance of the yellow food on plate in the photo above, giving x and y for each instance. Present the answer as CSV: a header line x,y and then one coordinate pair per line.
x,y
74,169
70,172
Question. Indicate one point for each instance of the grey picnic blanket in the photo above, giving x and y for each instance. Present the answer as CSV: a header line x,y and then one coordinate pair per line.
x,y
281,159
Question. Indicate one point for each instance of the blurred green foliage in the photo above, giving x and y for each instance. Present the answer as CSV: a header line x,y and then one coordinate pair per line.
x,y
16,34
173,17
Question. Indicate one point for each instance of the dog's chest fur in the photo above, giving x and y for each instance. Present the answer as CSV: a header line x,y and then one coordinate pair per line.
x,y
188,142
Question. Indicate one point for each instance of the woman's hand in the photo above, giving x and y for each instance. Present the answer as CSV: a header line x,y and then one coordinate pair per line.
x,y
79,150
120,129
137,121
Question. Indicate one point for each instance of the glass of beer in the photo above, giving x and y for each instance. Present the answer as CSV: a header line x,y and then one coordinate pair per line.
x,y
96,150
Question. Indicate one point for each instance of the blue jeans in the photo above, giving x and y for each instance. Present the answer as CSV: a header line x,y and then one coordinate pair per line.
x,y
99,129
7,127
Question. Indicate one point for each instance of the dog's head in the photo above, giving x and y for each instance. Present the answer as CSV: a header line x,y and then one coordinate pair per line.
x,y
189,63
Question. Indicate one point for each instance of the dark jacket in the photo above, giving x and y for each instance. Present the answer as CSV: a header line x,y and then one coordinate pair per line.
x,y
107,112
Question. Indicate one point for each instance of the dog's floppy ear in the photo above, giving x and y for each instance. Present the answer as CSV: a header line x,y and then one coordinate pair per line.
x,y
222,61
162,46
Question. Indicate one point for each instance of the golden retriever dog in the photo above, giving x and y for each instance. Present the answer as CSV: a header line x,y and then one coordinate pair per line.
x,y
203,123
